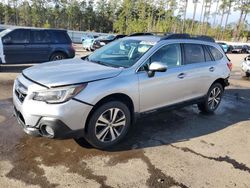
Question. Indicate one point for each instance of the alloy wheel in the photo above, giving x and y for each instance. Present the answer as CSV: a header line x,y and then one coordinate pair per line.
x,y
214,98
110,125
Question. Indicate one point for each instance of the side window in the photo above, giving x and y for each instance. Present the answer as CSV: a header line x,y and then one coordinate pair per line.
x,y
60,37
215,52
193,53
169,55
207,55
19,36
40,37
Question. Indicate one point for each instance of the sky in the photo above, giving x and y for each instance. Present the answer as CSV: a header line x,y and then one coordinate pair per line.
x,y
234,17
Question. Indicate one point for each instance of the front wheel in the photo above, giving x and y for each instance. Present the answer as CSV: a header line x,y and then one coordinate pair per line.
x,y
212,99
108,125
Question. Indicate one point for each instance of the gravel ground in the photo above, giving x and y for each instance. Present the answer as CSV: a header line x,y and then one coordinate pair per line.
x,y
179,148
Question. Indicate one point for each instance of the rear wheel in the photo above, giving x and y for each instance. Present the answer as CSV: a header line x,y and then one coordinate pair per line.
x,y
57,56
108,125
212,99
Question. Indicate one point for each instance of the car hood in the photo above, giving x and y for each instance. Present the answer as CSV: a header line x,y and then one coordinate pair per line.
x,y
71,71
104,40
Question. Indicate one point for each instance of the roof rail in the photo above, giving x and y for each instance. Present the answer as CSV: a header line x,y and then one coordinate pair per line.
x,y
187,36
140,34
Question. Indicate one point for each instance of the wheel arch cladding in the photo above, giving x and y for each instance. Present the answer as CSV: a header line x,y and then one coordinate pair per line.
x,y
220,81
113,97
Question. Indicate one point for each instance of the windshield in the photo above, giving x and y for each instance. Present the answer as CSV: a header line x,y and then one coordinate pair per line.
x,y
121,53
4,32
110,37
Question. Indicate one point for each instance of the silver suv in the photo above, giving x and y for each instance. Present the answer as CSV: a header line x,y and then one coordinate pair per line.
x,y
99,96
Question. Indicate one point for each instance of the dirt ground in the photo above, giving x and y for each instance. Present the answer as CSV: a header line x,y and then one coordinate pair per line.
x,y
180,148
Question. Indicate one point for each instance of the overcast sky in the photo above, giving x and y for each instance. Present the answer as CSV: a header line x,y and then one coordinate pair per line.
x,y
234,17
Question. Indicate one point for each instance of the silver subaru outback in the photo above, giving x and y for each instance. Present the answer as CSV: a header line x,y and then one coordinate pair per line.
x,y
98,97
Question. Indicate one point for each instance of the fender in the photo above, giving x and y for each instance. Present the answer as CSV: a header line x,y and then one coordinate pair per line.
x,y
2,56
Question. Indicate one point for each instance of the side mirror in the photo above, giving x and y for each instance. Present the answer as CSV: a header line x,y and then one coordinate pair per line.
x,y
247,58
156,67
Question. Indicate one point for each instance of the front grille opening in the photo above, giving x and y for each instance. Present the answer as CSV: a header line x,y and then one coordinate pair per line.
x,y
20,96
20,91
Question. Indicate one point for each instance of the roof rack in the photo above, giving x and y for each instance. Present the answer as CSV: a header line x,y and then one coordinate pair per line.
x,y
140,34
187,36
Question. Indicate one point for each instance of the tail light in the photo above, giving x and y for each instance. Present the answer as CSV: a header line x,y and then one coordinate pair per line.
x,y
72,47
230,65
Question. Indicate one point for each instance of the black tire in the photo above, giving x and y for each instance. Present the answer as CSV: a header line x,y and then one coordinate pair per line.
x,y
98,128
57,56
247,74
207,106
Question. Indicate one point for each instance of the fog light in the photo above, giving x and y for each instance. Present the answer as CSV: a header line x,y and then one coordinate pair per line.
x,y
49,131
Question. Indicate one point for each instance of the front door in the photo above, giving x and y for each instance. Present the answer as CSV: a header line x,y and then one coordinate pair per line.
x,y
15,46
164,88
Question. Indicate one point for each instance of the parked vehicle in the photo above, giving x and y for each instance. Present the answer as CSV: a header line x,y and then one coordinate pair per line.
x,y
246,49
99,96
88,42
34,45
224,46
237,49
245,66
100,42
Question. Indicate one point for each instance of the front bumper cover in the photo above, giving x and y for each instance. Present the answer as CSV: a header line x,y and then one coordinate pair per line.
x,y
60,129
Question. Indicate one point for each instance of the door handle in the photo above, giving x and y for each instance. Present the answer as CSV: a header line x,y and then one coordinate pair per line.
x,y
181,75
211,69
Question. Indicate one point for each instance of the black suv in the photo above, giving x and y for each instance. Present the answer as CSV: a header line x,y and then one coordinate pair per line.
x,y
24,45
102,41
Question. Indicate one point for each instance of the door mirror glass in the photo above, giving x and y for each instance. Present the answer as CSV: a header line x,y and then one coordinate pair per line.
x,y
156,67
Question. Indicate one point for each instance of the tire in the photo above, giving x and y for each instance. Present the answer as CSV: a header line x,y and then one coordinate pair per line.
x,y
57,56
212,99
247,74
103,131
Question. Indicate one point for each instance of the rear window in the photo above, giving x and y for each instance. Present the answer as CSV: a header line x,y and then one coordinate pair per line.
x,y
215,52
193,53
61,37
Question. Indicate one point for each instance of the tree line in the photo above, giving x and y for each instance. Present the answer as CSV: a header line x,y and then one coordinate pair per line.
x,y
128,16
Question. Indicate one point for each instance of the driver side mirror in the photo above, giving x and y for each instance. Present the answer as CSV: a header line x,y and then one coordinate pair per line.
x,y
156,67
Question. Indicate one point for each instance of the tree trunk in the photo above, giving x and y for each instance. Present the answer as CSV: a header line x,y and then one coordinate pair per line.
x,y
208,13
194,13
237,28
184,16
228,13
202,8
216,10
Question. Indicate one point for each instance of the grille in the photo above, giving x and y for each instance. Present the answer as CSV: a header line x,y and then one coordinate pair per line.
x,y
20,91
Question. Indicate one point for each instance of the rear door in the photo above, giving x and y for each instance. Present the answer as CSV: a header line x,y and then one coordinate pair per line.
x,y
198,69
40,46
15,46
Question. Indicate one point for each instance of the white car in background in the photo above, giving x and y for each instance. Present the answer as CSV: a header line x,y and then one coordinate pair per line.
x,y
246,66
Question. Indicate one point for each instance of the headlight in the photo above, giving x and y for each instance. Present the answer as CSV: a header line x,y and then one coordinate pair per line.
x,y
58,95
